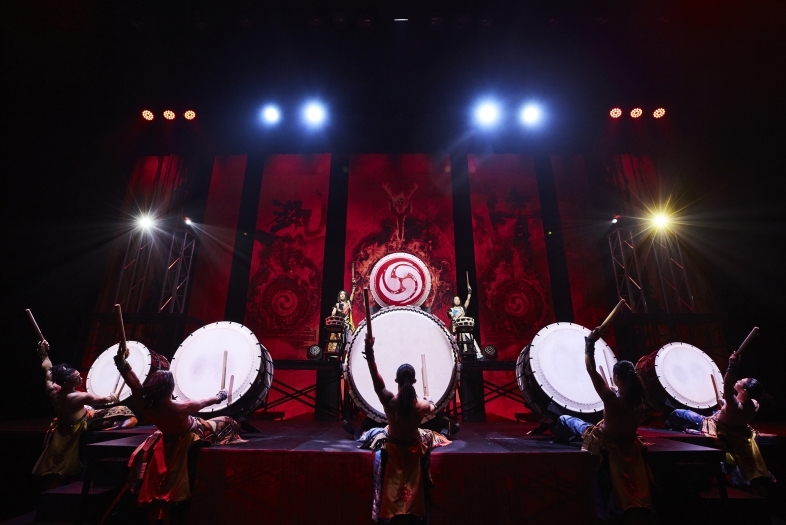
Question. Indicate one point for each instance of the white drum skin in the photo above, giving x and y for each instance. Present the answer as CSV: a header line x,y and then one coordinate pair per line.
x,y
552,369
102,378
198,363
401,335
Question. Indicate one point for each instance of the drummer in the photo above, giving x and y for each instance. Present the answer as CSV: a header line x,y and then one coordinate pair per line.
x,y
159,470
739,406
623,410
73,415
456,311
343,308
402,449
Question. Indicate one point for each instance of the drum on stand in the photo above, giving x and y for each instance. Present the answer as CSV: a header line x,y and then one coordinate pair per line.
x,y
335,323
103,378
678,376
198,363
464,325
403,334
552,375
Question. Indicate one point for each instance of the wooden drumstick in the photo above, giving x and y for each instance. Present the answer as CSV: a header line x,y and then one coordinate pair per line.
x,y
611,316
119,316
424,373
611,375
353,273
35,325
121,389
368,312
467,279
117,382
231,386
224,371
603,376
715,389
744,343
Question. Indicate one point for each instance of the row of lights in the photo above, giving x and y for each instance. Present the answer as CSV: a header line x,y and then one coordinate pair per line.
x,y
313,114
169,114
489,113
637,112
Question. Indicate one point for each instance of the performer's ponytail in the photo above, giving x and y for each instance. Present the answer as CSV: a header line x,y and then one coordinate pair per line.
x,y
634,390
62,373
157,386
405,377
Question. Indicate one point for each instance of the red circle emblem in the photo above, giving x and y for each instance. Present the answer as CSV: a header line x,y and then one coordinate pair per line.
x,y
400,279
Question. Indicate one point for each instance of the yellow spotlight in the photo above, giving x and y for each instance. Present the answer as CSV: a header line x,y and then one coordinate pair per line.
x,y
660,220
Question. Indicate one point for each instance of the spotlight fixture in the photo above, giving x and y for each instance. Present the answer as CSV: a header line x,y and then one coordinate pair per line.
x,y
487,114
530,114
658,113
147,115
314,114
660,220
314,352
615,113
169,115
187,221
271,114
190,114
636,112
614,220
490,352
145,222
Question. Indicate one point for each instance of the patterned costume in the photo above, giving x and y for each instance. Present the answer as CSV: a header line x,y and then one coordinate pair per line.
x,y
401,472
159,466
62,441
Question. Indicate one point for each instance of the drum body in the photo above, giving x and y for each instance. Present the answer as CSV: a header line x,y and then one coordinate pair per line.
x,y
403,335
103,378
678,376
552,375
198,362
335,323
464,324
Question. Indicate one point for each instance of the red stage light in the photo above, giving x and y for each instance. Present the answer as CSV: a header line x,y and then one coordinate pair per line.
x,y
658,113
147,115
169,115
636,112
615,113
190,115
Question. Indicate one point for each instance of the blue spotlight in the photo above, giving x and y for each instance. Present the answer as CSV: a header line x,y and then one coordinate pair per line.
x,y
487,114
271,115
530,114
314,114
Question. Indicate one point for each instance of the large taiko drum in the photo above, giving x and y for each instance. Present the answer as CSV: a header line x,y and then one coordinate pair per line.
x,y
403,335
678,376
198,363
103,378
553,377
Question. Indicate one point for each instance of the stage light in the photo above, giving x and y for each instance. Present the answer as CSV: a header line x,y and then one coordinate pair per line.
x,y
660,220
487,114
187,221
615,113
490,352
314,114
314,352
169,115
190,114
614,220
271,114
658,113
147,115
145,222
529,114
401,19
636,112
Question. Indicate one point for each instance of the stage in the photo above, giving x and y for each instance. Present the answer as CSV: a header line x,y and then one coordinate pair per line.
x,y
312,472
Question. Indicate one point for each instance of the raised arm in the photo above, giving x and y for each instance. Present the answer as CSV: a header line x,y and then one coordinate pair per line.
x,y
51,387
383,393
132,381
729,380
194,406
469,295
598,383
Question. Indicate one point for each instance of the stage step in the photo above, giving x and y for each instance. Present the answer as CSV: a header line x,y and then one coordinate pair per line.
x,y
62,504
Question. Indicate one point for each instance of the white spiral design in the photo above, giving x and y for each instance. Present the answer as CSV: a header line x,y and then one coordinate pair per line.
x,y
400,279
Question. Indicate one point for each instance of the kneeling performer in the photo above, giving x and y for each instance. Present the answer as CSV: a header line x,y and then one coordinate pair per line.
x,y
623,409
401,477
159,465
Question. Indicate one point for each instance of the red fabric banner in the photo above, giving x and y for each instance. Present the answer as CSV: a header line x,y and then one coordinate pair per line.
x,y
285,283
513,287
402,204
217,239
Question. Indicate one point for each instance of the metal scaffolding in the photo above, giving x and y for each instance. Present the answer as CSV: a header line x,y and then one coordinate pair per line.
x,y
673,277
627,272
178,272
133,274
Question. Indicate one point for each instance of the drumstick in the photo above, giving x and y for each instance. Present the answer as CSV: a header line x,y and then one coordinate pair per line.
x,y
224,371
611,316
35,325
425,374
121,389
603,376
231,386
467,279
715,389
368,312
117,382
353,272
744,343
606,358
119,315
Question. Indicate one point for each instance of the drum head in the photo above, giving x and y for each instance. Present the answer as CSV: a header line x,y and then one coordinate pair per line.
x,y
198,362
556,357
684,371
102,376
402,335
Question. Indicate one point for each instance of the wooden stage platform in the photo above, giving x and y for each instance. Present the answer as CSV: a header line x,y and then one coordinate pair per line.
x,y
312,472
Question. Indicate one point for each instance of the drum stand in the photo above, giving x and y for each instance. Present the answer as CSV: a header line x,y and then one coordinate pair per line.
x,y
465,340
335,343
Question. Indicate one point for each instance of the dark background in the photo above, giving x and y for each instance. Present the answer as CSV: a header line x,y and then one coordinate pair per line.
x,y
76,75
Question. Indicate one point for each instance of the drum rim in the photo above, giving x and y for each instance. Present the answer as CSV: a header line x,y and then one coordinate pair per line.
x,y
256,364
669,389
551,392
148,363
372,412
375,270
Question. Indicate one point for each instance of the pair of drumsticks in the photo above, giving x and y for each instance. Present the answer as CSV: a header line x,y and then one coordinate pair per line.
x,y
423,371
739,351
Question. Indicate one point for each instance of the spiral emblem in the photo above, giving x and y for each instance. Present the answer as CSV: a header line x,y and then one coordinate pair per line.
x,y
518,305
285,302
400,279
